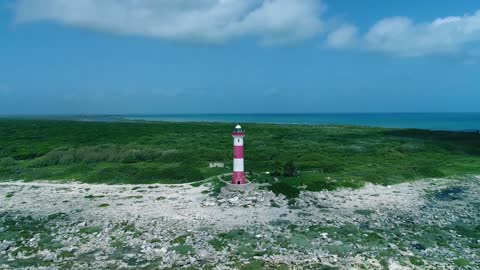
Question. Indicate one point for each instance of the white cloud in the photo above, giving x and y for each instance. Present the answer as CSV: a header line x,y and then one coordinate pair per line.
x,y
343,37
270,21
402,36
211,21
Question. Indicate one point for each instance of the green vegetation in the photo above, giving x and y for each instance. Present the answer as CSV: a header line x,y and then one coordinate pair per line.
x,y
94,196
66,254
217,244
183,249
285,189
181,240
118,244
461,262
130,228
319,157
135,197
416,261
20,229
382,242
90,230
288,169
245,243
364,212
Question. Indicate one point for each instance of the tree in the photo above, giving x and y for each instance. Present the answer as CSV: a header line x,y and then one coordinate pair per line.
x,y
285,189
277,169
289,169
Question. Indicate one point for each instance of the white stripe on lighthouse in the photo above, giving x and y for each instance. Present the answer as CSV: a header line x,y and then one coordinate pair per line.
x,y
238,165
238,141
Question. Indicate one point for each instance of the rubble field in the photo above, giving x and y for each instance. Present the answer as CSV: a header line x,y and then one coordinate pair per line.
x,y
430,224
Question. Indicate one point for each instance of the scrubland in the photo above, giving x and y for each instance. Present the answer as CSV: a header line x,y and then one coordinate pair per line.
x,y
325,157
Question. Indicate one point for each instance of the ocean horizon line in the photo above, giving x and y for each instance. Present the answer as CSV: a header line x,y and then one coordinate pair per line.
x,y
238,113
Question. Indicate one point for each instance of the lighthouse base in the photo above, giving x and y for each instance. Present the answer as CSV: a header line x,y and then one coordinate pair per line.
x,y
238,178
247,187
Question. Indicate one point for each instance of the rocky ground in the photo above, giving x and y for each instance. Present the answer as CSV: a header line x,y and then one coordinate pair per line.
x,y
432,224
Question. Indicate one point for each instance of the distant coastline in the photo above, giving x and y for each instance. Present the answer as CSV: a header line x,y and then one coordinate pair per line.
x,y
430,121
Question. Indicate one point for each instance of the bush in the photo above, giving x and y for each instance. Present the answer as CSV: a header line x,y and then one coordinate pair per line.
x,y
289,169
285,189
328,166
95,154
7,161
428,171
322,185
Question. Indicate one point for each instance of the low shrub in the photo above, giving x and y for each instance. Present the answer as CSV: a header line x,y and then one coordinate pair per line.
x,y
96,154
7,161
182,173
282,188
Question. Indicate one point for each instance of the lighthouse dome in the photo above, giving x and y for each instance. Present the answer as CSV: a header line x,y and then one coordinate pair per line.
x,y
238,128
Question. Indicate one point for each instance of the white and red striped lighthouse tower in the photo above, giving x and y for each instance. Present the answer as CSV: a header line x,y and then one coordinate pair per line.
x,y
238,164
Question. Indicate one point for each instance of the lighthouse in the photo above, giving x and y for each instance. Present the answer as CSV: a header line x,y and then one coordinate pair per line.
x,y
238,164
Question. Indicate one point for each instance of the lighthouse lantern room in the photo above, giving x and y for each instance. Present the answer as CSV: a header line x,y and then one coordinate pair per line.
x,y
238,162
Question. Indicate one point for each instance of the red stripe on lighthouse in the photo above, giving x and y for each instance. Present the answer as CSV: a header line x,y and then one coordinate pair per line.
x,y
238,178
238,152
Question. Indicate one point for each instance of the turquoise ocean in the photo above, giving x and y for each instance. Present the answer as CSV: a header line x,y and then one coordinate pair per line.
x,y
431,121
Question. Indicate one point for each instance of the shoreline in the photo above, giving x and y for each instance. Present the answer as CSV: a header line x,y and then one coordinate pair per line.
x,y
420,121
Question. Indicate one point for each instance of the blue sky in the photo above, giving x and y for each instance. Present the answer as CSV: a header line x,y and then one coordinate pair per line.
x,y
232,56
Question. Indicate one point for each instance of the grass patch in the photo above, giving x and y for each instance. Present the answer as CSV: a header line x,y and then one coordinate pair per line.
x,y
94,196
461,262
364,212
245,243
255,265
416,261
129,228
476,246
280,222
180,240
90,230
20,229
155,241
467,230
183,249
66,254
216,187
217,244
135,197
117,244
